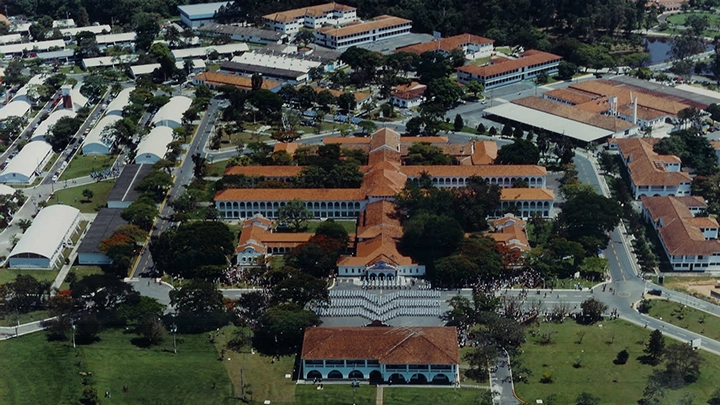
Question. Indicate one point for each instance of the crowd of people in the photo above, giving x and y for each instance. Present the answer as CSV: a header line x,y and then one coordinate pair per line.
x,y
105,174
523,279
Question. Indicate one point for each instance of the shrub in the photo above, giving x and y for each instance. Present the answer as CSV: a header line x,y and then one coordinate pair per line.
x,y
622,357
546,378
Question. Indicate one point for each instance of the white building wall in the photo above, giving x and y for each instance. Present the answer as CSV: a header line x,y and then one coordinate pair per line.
x,y
269,209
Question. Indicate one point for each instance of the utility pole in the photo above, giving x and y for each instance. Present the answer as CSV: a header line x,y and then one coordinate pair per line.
x,y
73,332
242,386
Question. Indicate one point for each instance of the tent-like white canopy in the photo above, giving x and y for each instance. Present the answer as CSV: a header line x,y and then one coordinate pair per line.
x,y
6,190
98,142
22,168
44,128
16,108
119,102
154,145
170,115
44,239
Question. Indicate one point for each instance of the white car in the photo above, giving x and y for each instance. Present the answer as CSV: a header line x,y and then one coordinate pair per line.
x,y
54,178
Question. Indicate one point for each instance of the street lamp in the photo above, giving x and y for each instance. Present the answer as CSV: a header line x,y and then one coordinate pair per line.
x,y
73,332
173,330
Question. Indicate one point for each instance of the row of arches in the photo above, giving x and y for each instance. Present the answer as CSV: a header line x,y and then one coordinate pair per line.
x,y
376,377
229,213
273,205
501,181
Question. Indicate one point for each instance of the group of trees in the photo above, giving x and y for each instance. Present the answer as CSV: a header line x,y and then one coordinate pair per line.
x,y
695,151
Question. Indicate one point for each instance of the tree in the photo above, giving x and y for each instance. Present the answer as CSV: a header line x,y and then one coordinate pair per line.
x,y
88,194
141,212
23,294
24,224
300,289
87,46
295,214
14,73
566,70
592,310
304,37
622,357
714,398
520,152
197,297
367,126
443,91
151,329
587,217
280,329
655,347
458,124
94,86
427,237
41,28
475,87
682,362
507,130
90,395
146,30
346,102
256,82
425,153
193,245
268,103
587,399
63,131
155,185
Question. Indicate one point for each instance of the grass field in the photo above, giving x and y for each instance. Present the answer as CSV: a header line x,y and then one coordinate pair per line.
x,y
686,318
217,169
32,316
598,375
82,165
35,371
80,272
679,19
8,275
263,377
348,225
73,196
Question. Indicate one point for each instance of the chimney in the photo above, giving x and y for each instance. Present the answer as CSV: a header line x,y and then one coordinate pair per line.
x,y
635,110
67,98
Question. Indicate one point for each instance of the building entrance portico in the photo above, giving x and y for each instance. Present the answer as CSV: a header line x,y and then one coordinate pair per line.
x,y
381,271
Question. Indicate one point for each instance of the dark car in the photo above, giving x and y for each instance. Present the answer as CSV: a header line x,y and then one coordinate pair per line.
x,y
655,291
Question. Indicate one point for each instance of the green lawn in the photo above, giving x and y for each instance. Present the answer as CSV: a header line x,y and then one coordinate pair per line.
x,y
403,395
50,163
8,275
348,225
334,394
598,375
80,272
263,377
686,318
679,19
217,169
73,196
83,165
35,371
32,316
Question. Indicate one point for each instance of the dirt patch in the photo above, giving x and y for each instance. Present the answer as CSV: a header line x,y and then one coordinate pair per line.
x,y
704,290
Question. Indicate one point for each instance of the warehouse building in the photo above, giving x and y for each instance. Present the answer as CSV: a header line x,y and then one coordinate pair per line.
x,y
42,245
195,15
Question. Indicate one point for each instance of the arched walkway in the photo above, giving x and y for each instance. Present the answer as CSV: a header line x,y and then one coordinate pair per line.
x,y
441,379
335,375
313,375
356,374
418,379
397,379
375,377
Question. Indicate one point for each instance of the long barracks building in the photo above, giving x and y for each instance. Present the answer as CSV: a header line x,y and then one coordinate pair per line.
x,y
383,179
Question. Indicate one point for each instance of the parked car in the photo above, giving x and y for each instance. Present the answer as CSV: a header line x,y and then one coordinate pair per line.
x,y
655,291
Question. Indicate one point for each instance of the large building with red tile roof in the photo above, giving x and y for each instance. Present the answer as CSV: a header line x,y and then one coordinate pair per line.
x,y
408,95
214,79
290,21
257,240
652,174
689,240
417,355
378,228
356,33
473,46
503,70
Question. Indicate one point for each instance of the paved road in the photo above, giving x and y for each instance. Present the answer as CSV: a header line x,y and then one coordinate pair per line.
x,y
183,177
501,384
